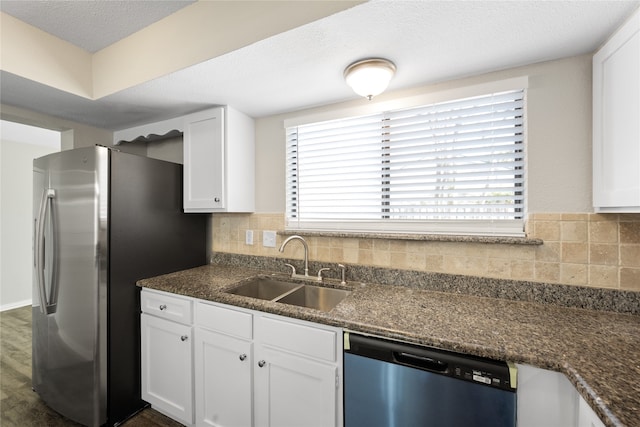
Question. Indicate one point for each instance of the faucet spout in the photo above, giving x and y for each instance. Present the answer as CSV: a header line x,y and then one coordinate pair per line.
x,y
306,250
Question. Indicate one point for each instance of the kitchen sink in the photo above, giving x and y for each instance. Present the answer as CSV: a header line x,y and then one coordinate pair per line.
x,y
309,296
323,299
264,288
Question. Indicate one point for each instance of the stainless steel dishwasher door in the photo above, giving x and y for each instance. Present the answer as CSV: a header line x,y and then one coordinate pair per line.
x,y
390,384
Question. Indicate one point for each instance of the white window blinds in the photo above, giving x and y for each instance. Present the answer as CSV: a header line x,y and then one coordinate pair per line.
x,y
453,167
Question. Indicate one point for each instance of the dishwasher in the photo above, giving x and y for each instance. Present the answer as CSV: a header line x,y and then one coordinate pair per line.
x,y
396,384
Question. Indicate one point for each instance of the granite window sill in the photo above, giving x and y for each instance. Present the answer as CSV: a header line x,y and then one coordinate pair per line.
x,y
417,237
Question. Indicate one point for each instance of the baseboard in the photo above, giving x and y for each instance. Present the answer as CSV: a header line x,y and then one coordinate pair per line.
x,y
13,305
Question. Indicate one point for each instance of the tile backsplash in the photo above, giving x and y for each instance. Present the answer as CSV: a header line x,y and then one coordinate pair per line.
x,y
597,250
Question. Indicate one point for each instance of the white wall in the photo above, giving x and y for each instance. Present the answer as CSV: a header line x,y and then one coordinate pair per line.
x,y
19,146
558,142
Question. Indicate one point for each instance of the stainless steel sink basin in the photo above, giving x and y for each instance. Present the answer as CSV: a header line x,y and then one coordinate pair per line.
x,y
323,299
316,297
264,288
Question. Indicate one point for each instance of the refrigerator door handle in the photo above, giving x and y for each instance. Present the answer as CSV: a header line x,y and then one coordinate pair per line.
x,y
47,199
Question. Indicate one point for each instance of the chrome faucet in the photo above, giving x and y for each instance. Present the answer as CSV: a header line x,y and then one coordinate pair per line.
x,y
306,252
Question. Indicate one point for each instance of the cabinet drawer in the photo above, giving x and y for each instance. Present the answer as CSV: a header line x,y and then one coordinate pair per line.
x,y
225,320
298,338
167,306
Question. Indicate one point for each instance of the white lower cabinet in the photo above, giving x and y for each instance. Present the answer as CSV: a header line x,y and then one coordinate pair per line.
x,y
587,416
167,356
547,398
294,391
255,369
223,380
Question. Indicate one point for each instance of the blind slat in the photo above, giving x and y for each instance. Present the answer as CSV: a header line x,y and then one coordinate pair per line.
x,y
455,160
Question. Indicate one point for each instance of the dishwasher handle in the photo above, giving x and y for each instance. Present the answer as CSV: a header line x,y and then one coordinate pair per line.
x,y
422,362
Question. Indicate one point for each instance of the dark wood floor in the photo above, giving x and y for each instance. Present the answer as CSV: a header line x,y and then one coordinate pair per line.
x,y
19,405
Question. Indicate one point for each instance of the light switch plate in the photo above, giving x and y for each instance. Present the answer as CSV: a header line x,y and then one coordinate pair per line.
x,y
248,237
269,239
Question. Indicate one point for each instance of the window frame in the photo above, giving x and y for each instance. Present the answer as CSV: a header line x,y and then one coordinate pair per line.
x,y
510,228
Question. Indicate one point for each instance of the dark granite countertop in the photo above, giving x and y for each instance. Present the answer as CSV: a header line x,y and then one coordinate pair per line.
x,y
598,351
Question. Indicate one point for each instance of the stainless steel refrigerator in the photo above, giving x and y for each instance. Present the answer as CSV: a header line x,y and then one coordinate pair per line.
x,y
102,220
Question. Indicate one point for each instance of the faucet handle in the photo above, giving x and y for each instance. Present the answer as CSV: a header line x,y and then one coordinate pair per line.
x,y
320,273
342,274
293,269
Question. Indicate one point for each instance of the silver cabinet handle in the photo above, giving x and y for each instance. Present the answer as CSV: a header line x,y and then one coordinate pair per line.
x,y
184,338
163,307
262,363
242,356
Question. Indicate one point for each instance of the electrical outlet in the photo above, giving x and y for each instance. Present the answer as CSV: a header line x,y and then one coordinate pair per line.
x,y
269,239
248,237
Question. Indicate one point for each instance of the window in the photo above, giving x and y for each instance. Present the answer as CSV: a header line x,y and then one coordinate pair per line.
x,y
453,167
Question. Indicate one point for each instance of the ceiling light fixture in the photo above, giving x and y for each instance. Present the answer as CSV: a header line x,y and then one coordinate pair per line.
x,y
369,77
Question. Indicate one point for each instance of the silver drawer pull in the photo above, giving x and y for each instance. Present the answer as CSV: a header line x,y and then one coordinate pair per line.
x,y
184,338
163,307
262,363
243,357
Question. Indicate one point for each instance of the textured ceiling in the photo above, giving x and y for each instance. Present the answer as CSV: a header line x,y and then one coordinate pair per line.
x,y
429,41
91,25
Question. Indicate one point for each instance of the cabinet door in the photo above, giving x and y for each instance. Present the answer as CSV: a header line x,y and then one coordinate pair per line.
x,y
167,376
586,416
616,128
223,380
292,391
545,398
204,163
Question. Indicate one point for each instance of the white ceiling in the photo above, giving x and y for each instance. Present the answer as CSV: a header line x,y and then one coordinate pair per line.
x,y
429,41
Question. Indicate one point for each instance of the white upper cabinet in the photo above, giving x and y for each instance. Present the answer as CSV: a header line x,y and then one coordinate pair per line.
x,y
219,157
219,161
616,121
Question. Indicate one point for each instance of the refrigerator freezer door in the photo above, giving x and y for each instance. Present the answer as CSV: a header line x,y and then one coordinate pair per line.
x,y
70,283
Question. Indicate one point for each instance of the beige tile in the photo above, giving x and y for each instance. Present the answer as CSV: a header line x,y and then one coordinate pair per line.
x,y
415,261
323,253
365,256
604,276
465,265
350,243
398,246
548,252
548,216
626,217
630,255
574,274
603,217
365,244
350,255
630,232
522,269
382,258
630,279
573,231
603,254
547,271
434,248
381,245
575,252
336,254
415,246
574,216
603,232
398,260
434,263
499,267
546,230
